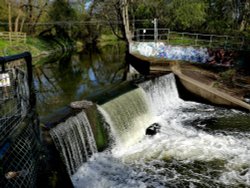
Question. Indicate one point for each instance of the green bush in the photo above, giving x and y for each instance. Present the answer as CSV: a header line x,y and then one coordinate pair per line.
x,y
227,77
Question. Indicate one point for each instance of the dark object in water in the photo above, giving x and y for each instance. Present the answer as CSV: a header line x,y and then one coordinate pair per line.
x,y
153,129
246,98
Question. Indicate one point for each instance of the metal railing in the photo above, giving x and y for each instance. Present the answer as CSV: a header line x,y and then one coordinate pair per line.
x,y
19,125
190,39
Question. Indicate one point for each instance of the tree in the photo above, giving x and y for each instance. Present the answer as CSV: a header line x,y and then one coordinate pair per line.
x,y
187,14
174,14
35,10
60,13
225,16
115,13
22,13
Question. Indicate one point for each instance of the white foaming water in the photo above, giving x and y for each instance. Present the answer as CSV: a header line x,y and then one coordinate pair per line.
x,y
128,116
162,94
75,140
178,156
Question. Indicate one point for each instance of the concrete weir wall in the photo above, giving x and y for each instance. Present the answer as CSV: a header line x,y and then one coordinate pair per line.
x,y
208,93
199,55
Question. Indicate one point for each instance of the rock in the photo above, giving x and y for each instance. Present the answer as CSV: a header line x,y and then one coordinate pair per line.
x,y
246,98
81,104
153,129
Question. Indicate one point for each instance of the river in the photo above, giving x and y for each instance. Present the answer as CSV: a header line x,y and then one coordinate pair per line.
x,y
75,77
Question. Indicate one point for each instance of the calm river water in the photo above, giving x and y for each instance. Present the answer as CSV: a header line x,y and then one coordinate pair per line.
x,y
75,77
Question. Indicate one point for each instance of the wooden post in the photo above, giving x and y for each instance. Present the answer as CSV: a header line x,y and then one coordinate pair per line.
x,y
211,40
137,35
168,35
196,40
242,43
225,43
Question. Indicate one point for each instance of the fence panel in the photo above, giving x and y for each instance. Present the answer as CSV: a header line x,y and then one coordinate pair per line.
x,y
19,126
14,36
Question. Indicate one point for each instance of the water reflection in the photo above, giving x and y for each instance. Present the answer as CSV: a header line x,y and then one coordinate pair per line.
x,y
75,77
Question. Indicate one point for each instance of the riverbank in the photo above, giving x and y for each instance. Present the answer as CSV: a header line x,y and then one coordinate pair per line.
x,y
38,46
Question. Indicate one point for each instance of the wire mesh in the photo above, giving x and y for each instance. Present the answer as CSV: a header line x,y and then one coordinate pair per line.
x,y
14,102
20,161
19,129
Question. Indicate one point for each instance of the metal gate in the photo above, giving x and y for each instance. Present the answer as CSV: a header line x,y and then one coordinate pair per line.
x,y
19,126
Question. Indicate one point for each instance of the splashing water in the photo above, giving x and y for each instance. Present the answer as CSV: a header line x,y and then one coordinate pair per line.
x,y
179,156
75,140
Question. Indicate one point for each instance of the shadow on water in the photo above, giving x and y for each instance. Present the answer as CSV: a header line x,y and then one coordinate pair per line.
x,y
75,77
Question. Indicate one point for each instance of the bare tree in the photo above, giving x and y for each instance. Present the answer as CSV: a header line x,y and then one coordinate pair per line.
x,y
115,13
19,15
9,16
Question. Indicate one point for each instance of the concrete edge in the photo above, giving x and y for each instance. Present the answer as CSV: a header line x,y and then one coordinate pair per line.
x,y
211,94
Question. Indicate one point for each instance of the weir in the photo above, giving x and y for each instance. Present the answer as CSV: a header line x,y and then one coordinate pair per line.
x,y
162,93
128,116
75,141
181,154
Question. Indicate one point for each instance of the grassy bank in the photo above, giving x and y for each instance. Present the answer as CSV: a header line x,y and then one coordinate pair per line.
x,y
39,47
107,39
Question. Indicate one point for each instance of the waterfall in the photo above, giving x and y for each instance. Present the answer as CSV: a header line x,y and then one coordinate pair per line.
x,y
75,141
162,93
131,113
128,116
187,152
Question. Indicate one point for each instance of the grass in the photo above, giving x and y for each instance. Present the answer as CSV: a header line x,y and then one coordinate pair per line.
x,y
37,46
105,39
32,45
204,41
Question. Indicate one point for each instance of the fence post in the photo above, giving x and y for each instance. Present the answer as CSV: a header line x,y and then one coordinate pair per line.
x,y
137,35
10,37
242,43
168,35
211,40
226,41
155,30
143,37
196,40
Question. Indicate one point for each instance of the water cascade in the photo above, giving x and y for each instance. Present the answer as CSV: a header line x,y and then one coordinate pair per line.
x,y
128,116
162,94
75,140
186,152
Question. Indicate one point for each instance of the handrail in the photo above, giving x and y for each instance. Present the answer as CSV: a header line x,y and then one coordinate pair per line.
x,y
200,39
